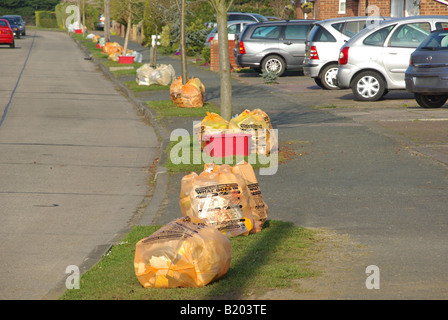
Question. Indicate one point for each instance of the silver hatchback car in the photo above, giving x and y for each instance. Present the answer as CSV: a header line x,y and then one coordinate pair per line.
x,y
324,42
375,60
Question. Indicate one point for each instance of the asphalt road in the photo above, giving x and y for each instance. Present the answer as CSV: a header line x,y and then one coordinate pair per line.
x,y
74,156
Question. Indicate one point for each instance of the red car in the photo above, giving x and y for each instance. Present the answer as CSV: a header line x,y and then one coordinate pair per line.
x,y
6,34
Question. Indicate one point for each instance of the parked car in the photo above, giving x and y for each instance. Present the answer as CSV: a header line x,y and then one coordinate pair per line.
x,y
233,27
427,74
100,23
246,16
274,46
323,44
375,60
6,34
14,24
20,23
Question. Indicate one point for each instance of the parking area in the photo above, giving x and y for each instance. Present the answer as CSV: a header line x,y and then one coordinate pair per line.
x,y
396,115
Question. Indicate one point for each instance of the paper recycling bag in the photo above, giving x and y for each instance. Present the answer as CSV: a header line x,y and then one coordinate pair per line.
x,y
257,205
184,253
219,197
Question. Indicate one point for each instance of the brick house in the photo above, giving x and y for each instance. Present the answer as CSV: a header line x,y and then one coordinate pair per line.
x,y
326,9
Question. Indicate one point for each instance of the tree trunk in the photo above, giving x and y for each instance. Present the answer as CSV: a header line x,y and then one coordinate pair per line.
x,y
84,28
128,29
183,45
224,61
106,21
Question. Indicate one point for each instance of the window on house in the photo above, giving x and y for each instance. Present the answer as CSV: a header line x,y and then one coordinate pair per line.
x,y
342,6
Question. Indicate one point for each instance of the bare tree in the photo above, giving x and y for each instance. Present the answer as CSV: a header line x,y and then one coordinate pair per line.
x,y
127,10
222,7
106,21
183,44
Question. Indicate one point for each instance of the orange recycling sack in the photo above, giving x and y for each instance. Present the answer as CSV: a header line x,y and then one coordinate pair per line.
x,y
184,253
219,197
190,95
258,206
212,123
112,47
258,124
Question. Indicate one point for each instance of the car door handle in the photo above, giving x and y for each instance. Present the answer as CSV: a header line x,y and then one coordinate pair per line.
x,y
288,43
394,53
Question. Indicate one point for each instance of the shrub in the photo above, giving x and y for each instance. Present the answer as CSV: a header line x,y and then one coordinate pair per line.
x,y
206,54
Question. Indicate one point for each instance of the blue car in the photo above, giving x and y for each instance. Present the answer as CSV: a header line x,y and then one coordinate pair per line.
x,y
17,24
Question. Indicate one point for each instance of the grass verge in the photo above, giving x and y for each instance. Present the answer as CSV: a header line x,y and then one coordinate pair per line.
x,y
165,108
269,259
135,87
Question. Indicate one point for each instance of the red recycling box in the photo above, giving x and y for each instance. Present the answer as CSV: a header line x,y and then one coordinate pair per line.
x,y
227,144
126,59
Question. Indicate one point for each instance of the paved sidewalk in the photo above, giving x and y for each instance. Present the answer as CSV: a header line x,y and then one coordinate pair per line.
x,y
74,158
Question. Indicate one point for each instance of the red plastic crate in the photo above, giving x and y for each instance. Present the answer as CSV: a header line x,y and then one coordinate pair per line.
x,y
227,144
126,59
78,30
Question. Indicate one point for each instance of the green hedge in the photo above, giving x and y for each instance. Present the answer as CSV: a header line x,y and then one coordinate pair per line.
x,y
46,19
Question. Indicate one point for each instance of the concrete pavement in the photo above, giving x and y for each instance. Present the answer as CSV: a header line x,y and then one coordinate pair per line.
x,y
74,158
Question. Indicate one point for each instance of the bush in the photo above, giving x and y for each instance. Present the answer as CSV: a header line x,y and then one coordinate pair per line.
x,y
269,77
48,23
206,54
46,19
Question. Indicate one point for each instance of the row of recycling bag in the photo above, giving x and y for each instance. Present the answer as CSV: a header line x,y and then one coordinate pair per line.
x,y
113,49
194,250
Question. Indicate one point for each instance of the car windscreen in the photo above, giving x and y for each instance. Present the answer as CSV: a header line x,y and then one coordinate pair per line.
x,y
435,41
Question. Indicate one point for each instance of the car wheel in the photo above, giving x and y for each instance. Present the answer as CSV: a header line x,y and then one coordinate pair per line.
x,y
430,101
328,75
13,44
275,64
368,86
319,82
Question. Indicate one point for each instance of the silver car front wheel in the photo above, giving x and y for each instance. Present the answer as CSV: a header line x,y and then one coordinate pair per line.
x,y
368,86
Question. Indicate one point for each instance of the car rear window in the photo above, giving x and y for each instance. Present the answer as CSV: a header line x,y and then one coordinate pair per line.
x,y
297,32
320,34
378,37
441,25
267,32
3,24
435,41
